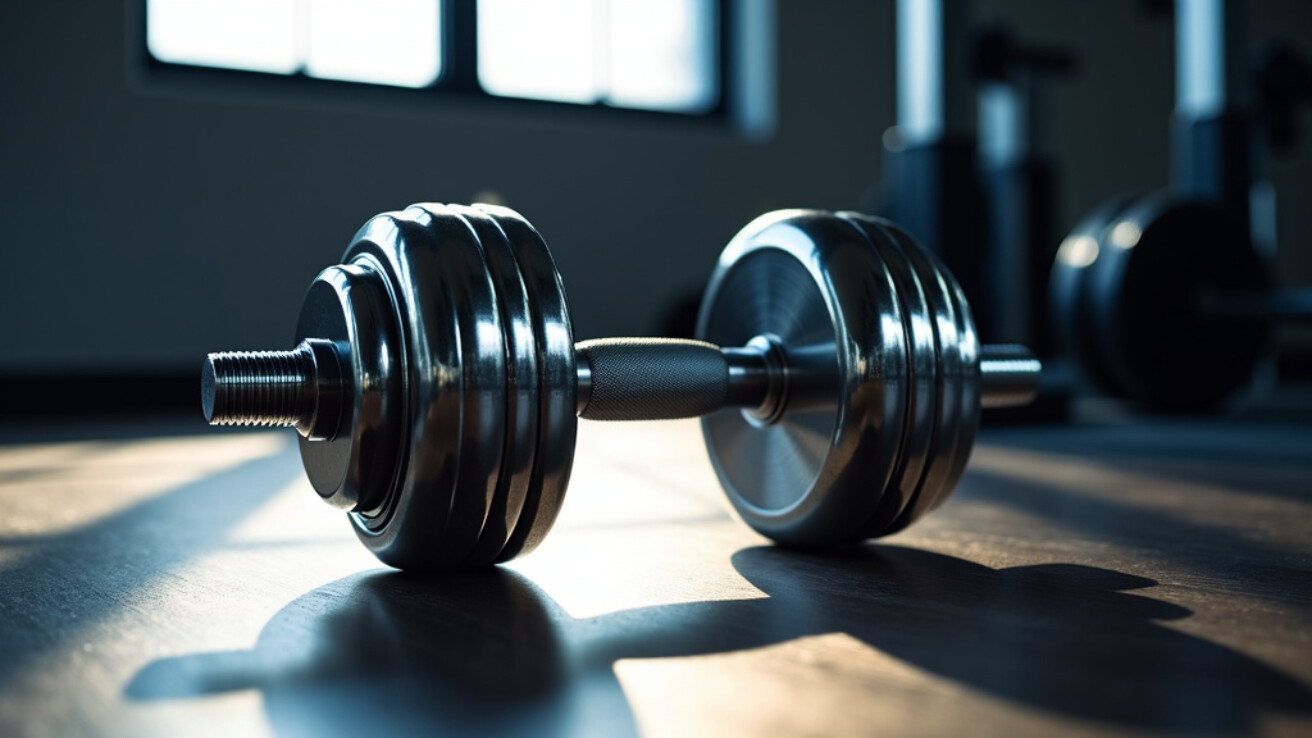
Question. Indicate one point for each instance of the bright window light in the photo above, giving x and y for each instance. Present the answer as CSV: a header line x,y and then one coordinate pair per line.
x,y
650,54
654,54
390,42
662,55
257,35
540,49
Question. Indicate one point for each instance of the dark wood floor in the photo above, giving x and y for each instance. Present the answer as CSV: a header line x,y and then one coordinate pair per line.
x,y
1123,577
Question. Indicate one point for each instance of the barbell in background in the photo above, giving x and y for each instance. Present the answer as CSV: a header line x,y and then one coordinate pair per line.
x,y
436,385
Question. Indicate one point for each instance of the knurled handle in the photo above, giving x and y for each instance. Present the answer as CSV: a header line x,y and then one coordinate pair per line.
x,y
650,378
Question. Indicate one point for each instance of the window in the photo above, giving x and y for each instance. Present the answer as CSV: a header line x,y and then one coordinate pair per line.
x,y
662,55
655,54
390,42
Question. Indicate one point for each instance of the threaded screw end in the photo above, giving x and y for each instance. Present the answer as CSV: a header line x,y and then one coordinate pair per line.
x,y
259,388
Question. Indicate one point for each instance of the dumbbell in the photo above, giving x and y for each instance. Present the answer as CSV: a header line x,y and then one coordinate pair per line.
x,y
436,386
1164,301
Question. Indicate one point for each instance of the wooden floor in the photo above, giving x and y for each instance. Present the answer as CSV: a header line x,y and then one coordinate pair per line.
x,y
1122,578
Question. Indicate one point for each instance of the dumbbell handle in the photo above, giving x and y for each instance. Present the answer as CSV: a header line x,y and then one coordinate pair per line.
x,y
618,379
662,378
1285,305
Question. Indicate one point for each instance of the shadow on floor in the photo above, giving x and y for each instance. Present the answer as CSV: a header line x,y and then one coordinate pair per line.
x,y
64,583
389,653
1267,458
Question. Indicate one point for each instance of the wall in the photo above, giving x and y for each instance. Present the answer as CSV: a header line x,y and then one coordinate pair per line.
x,y
146,223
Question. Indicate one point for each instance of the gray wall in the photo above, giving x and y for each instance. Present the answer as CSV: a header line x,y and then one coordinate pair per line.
x,y
146,223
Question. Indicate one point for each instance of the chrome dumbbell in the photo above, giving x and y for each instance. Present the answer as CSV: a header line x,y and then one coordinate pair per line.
x,y
436,384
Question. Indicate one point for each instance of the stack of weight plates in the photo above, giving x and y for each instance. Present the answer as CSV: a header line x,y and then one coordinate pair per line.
x,y
882,389
490,386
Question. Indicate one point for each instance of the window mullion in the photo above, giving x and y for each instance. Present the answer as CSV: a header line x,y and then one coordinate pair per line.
x,y
461,46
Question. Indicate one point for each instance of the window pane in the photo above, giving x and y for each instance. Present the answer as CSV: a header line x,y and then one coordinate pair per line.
x,y
391,42
539,49
258,35
663,54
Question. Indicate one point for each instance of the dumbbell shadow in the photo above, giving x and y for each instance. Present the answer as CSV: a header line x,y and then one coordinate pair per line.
x,y
489,652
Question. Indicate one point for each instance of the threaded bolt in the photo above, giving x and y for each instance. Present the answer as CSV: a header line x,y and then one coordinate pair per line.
x,y
269,388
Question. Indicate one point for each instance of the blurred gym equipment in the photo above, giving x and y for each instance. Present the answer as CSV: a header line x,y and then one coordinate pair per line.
x,y
1163,299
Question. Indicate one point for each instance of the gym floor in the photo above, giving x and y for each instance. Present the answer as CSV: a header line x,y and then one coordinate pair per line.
x,y
1107,577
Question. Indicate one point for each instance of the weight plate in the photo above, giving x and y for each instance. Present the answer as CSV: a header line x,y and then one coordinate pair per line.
x,y
922,375
522,388
1156,263
1069,296
457,375
812,284
482,336
558,377
968,405
947,408
355,466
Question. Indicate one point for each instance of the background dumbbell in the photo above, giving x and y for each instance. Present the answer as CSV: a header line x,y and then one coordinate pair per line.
x,y
436,385
1165,302
1163,299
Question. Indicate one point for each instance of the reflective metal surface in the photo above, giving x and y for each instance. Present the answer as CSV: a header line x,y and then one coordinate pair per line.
x,y
814,284
583,383
523,388
355,464
967,348
558,393
922,371
438,383
947,411
1008,376
273,388
456,366
758,381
